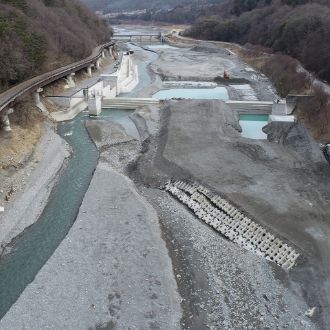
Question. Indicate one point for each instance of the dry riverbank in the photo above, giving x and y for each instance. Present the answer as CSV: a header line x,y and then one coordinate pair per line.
x,y
34,183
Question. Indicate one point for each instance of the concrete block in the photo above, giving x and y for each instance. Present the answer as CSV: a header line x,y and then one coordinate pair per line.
x,y
273,118
279,109
94,106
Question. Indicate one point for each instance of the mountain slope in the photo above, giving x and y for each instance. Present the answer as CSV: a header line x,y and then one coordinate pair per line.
x,y
298,28
117,5
39,35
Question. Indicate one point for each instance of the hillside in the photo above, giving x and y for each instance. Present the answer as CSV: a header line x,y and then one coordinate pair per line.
x,y
39,35
298,28
123,5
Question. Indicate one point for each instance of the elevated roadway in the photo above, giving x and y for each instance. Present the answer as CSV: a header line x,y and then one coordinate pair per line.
x,y
32,85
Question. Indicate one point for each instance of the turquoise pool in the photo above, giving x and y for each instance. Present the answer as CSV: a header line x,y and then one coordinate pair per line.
x,y
252,126
217,93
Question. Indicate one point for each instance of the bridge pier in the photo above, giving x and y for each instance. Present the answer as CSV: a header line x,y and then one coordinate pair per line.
x,y
89,70
94,105
4,120
70,80
37,101
114,52
98,63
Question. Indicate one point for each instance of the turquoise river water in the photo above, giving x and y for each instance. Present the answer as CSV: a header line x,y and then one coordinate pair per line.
x,y
252,126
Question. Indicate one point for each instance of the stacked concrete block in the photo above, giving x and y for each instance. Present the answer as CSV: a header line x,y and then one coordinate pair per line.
x,y
232,223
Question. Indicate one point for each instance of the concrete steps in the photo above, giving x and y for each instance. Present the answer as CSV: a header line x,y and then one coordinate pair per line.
x,y
128,103
258,107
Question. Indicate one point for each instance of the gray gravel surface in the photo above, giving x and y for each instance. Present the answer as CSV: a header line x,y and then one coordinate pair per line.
x,y
222,285
112,271
275,183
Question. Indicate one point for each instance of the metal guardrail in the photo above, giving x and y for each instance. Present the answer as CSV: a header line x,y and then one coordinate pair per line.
x,y
42,80
136,35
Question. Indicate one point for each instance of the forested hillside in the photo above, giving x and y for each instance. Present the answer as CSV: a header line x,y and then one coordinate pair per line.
x,y
39,35
299,28
123,5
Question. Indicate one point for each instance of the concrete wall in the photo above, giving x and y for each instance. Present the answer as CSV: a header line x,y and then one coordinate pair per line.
x,y
127,75
123,80
68,101
103,88
279,109
251,107
95,105
110,80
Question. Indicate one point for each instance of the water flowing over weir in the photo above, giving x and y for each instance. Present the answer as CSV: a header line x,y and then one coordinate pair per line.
x,y
35,246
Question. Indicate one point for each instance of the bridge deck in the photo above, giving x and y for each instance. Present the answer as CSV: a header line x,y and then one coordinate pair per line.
x,y
136,35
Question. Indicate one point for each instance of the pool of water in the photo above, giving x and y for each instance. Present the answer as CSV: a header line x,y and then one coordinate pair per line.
x,y
252,126
217,93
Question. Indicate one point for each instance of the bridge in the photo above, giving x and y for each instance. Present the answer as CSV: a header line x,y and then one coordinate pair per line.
x,y
34,85
138,37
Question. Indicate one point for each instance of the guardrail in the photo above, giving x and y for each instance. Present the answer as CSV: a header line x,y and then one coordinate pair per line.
x,y
137,35
44,79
